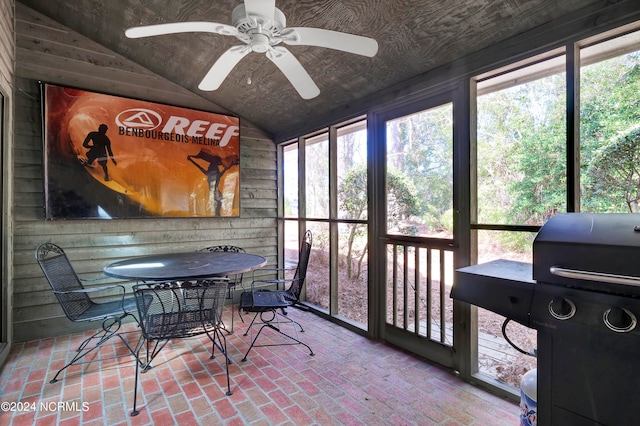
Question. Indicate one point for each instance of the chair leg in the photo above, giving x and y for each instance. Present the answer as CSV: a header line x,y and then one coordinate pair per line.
x,y
269,323
158,345
143,367
218,340
253,320
110,327
231,293
135,412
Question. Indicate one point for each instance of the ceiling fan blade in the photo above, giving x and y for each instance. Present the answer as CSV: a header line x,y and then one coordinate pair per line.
x,y
294,71
264,9
222,67
351,43
181,27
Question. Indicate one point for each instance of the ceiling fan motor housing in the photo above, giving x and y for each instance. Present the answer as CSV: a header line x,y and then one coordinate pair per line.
x,y
262,30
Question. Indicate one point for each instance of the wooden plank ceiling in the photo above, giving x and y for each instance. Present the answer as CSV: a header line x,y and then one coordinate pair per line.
x,y
414,36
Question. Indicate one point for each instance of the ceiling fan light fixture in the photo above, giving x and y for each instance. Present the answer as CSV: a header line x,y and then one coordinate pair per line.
x,y
260,43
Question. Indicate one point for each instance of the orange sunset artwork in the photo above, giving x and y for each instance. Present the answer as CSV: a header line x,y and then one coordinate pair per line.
x,y
113,157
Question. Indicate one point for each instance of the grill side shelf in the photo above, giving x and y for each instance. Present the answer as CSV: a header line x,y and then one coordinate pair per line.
x,y
501,286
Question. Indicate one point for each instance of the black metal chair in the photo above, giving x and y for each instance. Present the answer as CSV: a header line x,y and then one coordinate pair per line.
x,y
235,280
77,304
170,310
269,306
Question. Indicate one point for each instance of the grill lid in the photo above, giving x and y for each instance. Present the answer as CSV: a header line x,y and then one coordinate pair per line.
x,y
604,246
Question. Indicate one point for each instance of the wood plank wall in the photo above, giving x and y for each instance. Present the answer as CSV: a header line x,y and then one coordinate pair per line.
x,y
7,54
49,52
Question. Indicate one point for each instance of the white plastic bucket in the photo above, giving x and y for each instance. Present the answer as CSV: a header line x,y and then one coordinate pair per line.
x,y
529,398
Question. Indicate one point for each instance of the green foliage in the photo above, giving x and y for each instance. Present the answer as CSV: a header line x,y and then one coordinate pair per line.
x,y
352,197
521,155
521,152
522,138
402,198
420,147
518,242
288,210
522,146
352,193
614,173
610,110
402,201
446,220
435,220
609,101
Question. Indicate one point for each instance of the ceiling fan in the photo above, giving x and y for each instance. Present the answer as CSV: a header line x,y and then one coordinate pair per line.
x,y
262,27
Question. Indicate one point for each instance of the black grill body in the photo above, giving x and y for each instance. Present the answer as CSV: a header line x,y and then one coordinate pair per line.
x,y
607,244
585,305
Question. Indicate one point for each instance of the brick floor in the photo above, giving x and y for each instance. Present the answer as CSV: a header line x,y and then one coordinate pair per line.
x,y
349,381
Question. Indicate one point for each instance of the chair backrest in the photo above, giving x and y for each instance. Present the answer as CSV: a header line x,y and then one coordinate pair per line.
x,y
179,309
62,277
223,248
236,279
301,270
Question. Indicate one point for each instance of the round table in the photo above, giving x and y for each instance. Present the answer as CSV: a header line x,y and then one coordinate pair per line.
x,y
183,266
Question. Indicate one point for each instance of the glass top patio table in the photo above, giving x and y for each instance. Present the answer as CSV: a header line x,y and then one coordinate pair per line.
x,y
183,266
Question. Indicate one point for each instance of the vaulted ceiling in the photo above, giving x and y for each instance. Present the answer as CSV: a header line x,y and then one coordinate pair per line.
x,y
414,36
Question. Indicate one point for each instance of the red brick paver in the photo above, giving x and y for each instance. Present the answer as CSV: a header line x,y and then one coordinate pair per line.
x,y
350,381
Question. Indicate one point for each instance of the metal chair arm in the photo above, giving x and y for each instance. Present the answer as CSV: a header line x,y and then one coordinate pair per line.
x,y
119,296
90,289
253,273
276,281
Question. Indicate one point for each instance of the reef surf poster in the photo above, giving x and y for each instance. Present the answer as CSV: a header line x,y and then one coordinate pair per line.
x,y
109,157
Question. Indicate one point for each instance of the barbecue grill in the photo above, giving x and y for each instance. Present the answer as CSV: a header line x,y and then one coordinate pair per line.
x,y
582,295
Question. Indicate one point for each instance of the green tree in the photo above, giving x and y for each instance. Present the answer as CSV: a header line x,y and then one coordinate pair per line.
x,y
521,152
422,147
609,105
352,196
541,158
614,174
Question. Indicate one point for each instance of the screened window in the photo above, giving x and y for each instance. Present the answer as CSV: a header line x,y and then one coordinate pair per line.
x,y
317,176
330,199
420,173
610,125
290,180
521,145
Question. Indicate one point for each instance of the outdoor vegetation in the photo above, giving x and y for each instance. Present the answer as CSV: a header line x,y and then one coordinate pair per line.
x,y
522,171
521,145
420,173
521,180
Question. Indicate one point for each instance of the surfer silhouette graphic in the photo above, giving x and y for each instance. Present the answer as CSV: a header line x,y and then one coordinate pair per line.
x,y
214,172
99,149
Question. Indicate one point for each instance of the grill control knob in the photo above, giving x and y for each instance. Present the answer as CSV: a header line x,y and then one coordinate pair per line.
x,y
561,308
620,320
